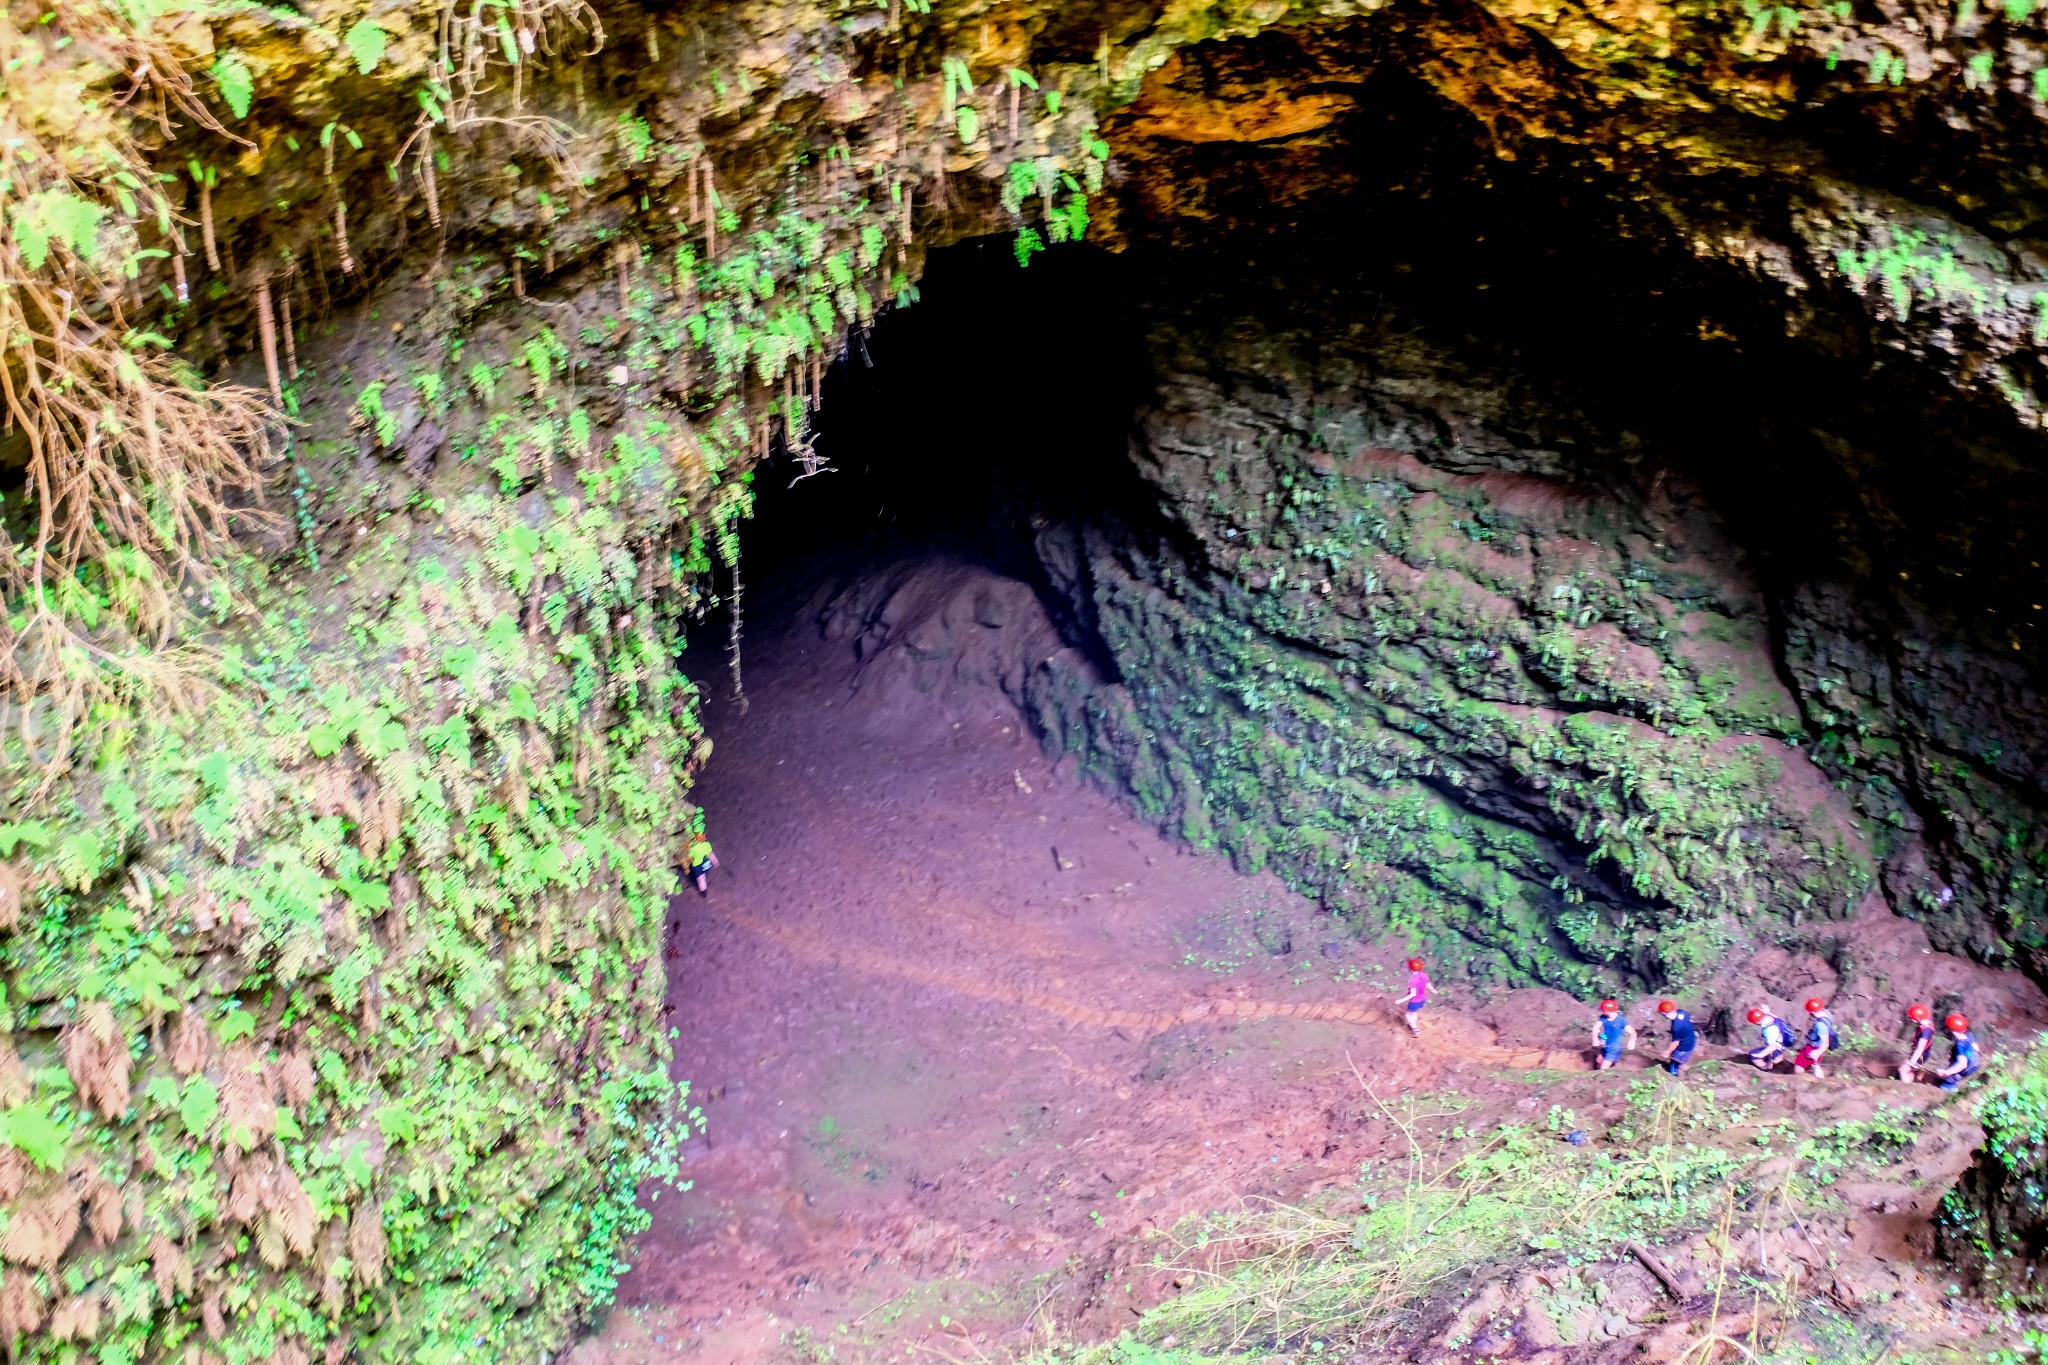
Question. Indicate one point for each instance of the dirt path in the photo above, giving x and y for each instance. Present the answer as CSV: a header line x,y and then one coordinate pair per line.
x,y
1436,1039
971,1042
966,1035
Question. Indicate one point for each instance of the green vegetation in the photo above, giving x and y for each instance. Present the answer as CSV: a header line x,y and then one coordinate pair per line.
x,y
1359,670
1995,1222
330,999
1401,1249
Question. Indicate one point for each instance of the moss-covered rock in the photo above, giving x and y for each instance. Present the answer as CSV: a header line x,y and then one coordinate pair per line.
x,y
1461,701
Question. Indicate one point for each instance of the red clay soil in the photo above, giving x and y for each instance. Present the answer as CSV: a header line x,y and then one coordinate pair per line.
x,y
969,1038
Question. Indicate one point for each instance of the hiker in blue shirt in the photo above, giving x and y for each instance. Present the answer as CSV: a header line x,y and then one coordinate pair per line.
x,y
1963,1057
1684,1037
1777,1037
1613,1034
1821,1037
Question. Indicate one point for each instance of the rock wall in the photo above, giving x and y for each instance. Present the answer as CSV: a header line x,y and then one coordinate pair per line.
x,y
1382,642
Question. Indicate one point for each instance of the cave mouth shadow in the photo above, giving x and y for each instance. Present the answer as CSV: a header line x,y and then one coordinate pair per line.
x,y
956,430
958,425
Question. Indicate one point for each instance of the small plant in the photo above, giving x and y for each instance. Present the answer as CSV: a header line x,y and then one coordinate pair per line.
x,y
365,43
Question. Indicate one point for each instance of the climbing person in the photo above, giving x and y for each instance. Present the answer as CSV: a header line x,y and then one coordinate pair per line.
x,y
702,860
1418,994
1684,1037
1777,1039
1821,1038
1963,1060
1923,1041
1613,1034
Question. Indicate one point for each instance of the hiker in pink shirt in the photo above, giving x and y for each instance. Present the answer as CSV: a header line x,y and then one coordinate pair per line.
x,y
1418,994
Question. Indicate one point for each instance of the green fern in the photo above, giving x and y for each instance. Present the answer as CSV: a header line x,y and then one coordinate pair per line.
x,y
237,86
365,42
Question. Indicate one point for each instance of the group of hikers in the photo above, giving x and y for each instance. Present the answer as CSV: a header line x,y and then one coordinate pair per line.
x,y
1614,1034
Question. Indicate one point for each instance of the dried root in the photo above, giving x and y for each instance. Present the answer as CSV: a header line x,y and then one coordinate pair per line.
x,y
136,474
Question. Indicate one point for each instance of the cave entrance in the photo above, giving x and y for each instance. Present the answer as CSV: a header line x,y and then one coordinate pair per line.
x,y
1003,395
1395,530
962,1025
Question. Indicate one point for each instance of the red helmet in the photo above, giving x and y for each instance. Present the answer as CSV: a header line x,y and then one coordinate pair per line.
x,y
1756,1016
1667,1006
1609,1006
1957,1023
1414,964
1919,1012
1816,1005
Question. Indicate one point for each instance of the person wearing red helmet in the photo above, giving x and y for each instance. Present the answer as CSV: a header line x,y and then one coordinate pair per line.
x,y
1777,1039
1923,1041
1613,1034
1418,994
1684,1037
1963,1057
1821,1037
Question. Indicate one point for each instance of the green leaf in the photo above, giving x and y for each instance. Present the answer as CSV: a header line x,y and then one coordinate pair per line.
x,y
236,1023
149,980
237,86
521,701
522,539
502,635
969,123
56,215
213,769
357,1167
454,730
397,1122
162,1091
369,895
201,1102
288,1126
459,662
120,798
34,833
325,739
365,43
29,1129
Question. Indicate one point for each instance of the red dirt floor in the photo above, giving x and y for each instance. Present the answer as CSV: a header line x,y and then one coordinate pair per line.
x,y
969,1038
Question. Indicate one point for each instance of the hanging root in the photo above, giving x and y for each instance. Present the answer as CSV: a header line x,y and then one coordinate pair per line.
x,y
139,480
291,345
739,692
135,475
266,330
427,182
348,263
709,201
206,221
